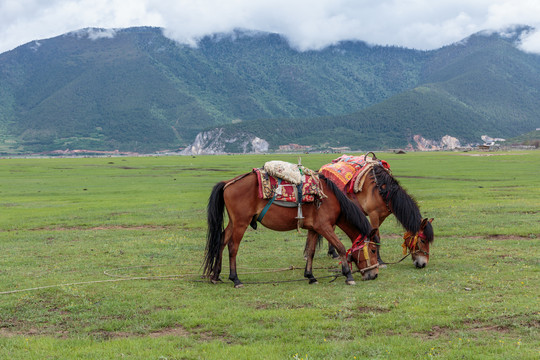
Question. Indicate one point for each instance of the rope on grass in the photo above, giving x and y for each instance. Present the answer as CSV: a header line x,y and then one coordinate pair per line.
x,y
91,282
119,278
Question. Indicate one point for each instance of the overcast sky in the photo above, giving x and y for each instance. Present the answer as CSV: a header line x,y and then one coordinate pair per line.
x,y
308,24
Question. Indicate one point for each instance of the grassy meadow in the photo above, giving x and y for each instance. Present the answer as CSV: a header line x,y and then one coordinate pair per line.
x,y
80,239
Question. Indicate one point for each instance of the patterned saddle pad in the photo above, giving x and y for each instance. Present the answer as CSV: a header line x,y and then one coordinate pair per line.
x,y
346,171
286,191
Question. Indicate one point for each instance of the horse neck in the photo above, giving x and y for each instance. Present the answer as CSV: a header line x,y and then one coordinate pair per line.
x,y
350,217
351,231
402,205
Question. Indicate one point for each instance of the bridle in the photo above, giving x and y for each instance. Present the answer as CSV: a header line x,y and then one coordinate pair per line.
x,y
410,243
361,243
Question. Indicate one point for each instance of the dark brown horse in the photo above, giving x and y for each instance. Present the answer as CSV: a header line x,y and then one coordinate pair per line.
x,y
381,196
239,197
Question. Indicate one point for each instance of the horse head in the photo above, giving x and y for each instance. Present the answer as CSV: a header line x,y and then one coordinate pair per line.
x,y
364,254
418,244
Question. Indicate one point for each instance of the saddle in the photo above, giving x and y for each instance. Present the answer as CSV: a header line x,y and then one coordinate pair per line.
x,y
289,185
347,172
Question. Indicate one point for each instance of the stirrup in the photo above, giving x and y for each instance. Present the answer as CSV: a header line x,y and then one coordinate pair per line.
x,y
299,217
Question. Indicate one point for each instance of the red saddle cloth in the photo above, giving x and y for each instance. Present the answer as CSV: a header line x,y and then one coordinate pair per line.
x,y
344,170
268,186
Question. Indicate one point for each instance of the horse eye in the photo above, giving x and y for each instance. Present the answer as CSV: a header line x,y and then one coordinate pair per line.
x,y
373,251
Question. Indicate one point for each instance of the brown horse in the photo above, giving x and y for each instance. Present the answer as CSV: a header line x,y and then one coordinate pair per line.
x,y
239,197
381,196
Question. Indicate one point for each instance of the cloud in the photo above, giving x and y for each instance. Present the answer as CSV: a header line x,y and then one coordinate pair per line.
x,y
308,24
94,33
530,42
22,21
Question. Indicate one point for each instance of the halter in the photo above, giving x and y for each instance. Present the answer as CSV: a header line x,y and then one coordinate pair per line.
x,y
413,247
361,244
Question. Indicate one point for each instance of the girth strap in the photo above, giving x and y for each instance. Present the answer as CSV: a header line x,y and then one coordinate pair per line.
x,y
265,209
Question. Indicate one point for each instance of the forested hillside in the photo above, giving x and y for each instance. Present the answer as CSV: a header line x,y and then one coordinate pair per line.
x,y
484,85
136,90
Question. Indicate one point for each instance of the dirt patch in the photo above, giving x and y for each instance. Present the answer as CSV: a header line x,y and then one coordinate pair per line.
x,y
492,328
511,237
371,309
435,333
6,333
264,306
173,331
504,237
392,236
9,332
180,331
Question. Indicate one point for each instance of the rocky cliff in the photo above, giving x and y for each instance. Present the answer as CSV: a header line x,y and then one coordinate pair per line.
x,y
217,141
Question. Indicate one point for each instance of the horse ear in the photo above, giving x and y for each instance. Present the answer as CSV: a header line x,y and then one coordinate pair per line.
x,y
373,233
431,220
423,224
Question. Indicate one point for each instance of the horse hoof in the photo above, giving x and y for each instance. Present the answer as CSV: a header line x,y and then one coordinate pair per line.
x,y
313,282
214,281
238,286
350,282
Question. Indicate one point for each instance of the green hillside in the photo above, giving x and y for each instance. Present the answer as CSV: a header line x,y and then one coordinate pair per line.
x,y
531,138
482,86
139,91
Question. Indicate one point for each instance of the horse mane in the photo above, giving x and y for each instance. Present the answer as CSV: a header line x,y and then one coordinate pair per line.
x,y
403,206
352,212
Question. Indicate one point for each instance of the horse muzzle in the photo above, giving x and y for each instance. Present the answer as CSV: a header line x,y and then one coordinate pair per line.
x,y
420,261
370,273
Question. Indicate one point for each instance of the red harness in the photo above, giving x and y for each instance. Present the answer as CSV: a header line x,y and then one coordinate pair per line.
x,y
361,244
411,246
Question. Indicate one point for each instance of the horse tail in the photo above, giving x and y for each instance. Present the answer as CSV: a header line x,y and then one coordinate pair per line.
x,y
352,212
403,206
214,235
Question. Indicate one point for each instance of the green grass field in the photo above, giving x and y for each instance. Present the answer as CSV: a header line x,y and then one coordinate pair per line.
x,y
79,239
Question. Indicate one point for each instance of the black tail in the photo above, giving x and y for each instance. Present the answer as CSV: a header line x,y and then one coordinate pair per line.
x,y
403,206
214,235
352,212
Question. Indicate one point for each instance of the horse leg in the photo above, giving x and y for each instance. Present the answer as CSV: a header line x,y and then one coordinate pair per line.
x,y
237,234
217,268
332,238
310,252
332,251
376,221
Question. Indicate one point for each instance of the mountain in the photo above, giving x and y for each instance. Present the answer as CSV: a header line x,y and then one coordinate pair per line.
x,y
136,90
482,85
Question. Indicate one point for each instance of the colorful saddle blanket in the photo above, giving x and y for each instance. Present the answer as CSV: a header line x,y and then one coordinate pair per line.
x,y
286,191
347,172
